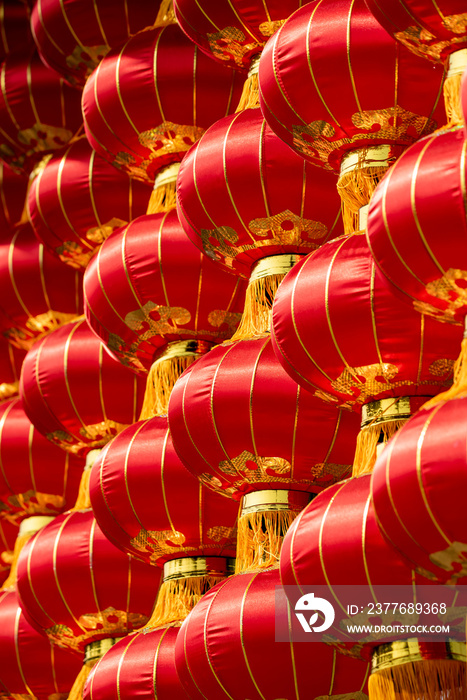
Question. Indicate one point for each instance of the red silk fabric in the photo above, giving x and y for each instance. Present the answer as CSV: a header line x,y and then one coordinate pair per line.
x,y
240,424
150,506
75,393
38,112
11,360
422,195
149,286
417,488
242,195
36,477
139,666
426,28
383,93
13,188
226,648
79,199
337,327
15,28
77,587
148,102
464,101
232,32
37,292
74,36
31,666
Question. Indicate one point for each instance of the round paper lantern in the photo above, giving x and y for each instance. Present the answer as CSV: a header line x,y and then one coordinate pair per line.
x,y
151,507
158,303
16,29
75,393
13,188
254,214
11,360
38,113
79,199
37,478
73,37
37,292
79,589
225,412
141,665
31,666
148,102
434,31
226,648
426,459
319,551
385,99
338,329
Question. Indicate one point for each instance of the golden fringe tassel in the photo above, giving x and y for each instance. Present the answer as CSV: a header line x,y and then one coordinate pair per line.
x,y
83,499
77,689
177,599
459,386
428,680
41,325
166,14
250,94
21,541
367,443
160,382
163,198
452,99
259,538
259,298
355,189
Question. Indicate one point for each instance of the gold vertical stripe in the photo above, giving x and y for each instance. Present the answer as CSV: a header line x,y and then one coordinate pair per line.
x,y
6,49
31,96
2,426
125,476
195,65
310,68
239,19
334,437
32,543
213,419
226,179
294,434
42,276
62,106
352,79
30,457
91,563
37,181
45,30
261,167
292,653
11,272
65,372
5,98
200,512
187,430
320,544
72,31
127,18
462,168
164,494
302,205
119,92
52,665
185,655
91,188
2,193
266,9
252,386
128,594
156,659
65,472
60,199
365,562
156,89
130,198
373,317
333,670
242,640
55,549
18,655
99,22
422,343
103,456
195,182
206,651
101,387
101,284
200,282
121,660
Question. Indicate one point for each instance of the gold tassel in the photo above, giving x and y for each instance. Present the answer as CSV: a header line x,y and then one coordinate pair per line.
x,y
160,382
166,14
459,386
163,198
250,94
178,597
355,188
452,99
259,298
21,541
83,500
427,680
259,538
77,689
367,442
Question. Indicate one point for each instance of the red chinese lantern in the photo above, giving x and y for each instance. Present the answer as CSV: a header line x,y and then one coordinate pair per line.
x,y
434,31
427,460
158,303
256,213
16,30
405,217
73,37
148,102
38,112
142,665
79,589
31,666
78,200
13,188
385,99
224,414
11,360
338,329
319,551
37,292
234,33
75,393
226,648
148,505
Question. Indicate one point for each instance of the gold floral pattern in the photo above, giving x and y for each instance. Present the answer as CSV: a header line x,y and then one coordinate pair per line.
x,y
422,42
451,288
87,58
229,43
218,533
106,623
271,27
98,234
43,137
219,316
32,502
453,558
74,255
